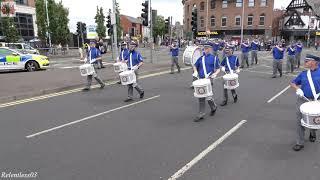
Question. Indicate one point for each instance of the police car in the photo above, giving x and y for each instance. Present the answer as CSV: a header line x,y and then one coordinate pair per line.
x,y
13,60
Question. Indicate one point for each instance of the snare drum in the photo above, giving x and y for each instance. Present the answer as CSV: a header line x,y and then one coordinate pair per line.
x,y
231,81
127,77
86,69
120,67
202,88
191,55
310,114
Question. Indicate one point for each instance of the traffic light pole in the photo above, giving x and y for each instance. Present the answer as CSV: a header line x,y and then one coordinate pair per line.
x,y
170,29
151,34
115,37
48,24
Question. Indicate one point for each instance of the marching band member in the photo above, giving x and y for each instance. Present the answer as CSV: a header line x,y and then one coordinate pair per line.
x,y
245,48
123,55
278,53
291,58
93,55
299,48
304,89
232,62
255,45
134,61
174,49
207,66
215,47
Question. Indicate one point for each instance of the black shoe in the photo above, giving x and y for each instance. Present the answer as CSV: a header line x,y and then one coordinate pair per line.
x,y
103,67
312,138
119,82
179,71
224,103
198,119
86,89
281,74
128,100
273,76
297,147
213,112
142,95
235,98
171,72
102,86
241,66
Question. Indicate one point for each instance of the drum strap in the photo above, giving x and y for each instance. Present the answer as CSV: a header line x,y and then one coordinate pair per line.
x,y
204,67
313,89
130,60
122,55
231,71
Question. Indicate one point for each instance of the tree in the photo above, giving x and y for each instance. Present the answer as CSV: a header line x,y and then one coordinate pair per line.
x,y
118,23
9,30
159,27
100,19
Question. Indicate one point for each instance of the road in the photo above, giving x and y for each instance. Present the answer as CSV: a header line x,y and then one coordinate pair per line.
x,y
95,135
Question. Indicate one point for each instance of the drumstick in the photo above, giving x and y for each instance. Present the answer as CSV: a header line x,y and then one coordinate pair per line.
x,y
305,98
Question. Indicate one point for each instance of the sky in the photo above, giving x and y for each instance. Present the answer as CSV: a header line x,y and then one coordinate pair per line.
x,y
84,11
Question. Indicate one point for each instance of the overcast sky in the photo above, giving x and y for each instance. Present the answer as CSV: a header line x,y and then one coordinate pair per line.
x,y
80,10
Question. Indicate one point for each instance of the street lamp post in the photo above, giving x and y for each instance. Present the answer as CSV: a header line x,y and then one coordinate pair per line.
x,y
115,36
242,20
48,24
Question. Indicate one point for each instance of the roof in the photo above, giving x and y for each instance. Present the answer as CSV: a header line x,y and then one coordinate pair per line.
x,y
133,20
315,5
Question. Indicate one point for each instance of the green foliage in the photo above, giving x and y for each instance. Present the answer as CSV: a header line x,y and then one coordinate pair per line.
x,y
119,28
159,26
9,30
100,19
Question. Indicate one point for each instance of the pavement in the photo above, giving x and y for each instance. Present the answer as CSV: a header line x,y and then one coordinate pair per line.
x,y
95,135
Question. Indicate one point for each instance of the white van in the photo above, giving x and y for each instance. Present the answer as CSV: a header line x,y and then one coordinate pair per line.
x,y
20,47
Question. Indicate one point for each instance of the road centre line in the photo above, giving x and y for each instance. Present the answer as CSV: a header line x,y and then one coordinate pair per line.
x,y
47,96
195,160
277,95
90,117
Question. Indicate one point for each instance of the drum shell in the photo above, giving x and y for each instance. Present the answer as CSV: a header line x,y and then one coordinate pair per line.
x,y
86,69
191,54
119,67
309,119
231,82
127,77
202,88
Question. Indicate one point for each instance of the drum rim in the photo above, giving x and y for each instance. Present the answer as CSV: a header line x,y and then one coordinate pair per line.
x,y
303,108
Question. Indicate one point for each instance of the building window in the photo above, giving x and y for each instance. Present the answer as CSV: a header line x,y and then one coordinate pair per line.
x,y
188,9
212,21
23,2
261,20
250,20
239,3
251,3
238,20
224,21
202,6
188,23
213,4
201,21
224,3
263,3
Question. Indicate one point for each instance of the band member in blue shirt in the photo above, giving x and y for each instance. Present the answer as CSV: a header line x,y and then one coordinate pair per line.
x,y
245,48
215,47
207,66
234,65
93,55
299,48
291,58
278,53
123,54
134,61
304,90
174,56
255,46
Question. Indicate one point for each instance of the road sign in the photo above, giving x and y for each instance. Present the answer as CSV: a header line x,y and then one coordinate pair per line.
x,y
91,32
8,8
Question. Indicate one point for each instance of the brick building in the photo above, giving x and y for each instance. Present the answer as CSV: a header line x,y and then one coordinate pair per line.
x,y
131,26
223,17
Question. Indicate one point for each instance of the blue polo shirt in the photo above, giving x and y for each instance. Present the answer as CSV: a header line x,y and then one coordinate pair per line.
x,y
299,48
212,63
93,53
124,54
233,61
277,54
255,46
291,51
302,80
245,49
215,47
136,58
174,52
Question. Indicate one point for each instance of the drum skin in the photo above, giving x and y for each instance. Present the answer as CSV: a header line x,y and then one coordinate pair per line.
x,y
202,88
191,55
86,69
127,77
310,114
231,81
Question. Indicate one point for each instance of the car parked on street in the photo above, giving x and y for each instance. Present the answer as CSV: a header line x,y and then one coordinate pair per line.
x,y
20,47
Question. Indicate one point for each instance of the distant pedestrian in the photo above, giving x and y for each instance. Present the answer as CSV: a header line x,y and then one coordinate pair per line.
x,y
278,53
291,58
245,48
255,46
174,49
299,48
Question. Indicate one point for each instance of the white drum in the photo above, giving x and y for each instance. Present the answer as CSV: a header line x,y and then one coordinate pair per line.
x,y
127,77
231,81
120,67
86,69
191,55
310,114
202,88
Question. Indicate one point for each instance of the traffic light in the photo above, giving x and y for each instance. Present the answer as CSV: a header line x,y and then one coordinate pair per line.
x,y
194,21
84,28
110,30
167,25
145,13
79,28
108,21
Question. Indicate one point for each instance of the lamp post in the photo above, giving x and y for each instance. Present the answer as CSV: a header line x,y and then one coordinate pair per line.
x,y
48,24
242,20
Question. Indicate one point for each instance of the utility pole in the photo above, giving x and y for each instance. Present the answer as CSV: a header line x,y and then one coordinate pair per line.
x,y
115,36
151,35
48,24
170,28
242,20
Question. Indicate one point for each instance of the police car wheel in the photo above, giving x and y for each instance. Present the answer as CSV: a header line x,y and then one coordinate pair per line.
x,y
32,66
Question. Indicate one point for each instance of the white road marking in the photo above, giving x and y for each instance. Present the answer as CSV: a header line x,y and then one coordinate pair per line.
x,y
288,75
277,95
185,168
90,117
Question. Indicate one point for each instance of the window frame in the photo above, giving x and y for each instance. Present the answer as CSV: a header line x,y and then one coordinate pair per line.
x,y
212,4
250,16
237,3
202,6
214,19
222,18
251,3
237,17
264,19
224,3
263,3
201,21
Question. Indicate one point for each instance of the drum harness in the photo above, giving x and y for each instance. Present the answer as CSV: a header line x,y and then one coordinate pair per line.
x,y
313,89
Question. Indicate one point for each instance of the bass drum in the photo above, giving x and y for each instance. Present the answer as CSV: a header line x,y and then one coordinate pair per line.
x,y
191,55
